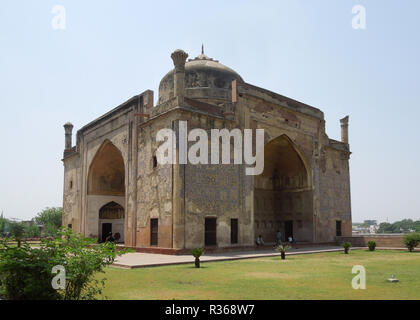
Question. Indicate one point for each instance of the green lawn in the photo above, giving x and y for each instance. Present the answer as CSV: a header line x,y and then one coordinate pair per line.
x,y
312,276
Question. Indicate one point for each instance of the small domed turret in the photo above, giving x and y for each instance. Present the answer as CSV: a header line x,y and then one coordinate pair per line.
x,y
205,79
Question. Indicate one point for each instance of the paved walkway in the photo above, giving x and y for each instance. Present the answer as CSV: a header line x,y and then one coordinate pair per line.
x,y
142,260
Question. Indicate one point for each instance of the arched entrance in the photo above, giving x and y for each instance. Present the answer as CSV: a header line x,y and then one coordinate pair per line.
x,y
282,197
106,193
111,221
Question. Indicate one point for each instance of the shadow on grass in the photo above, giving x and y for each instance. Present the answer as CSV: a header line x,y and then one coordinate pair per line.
x,y
193,267
288,258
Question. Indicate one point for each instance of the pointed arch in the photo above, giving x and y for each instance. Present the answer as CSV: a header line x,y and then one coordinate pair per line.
x,y
282,157
107,171
111,210
283,198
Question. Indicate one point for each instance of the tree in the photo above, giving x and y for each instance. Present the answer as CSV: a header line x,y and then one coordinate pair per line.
x,y
3,222
17,230
32,231
385,227
405,225
50,218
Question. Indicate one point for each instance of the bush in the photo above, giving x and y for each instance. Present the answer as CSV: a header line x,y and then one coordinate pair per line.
x,y
26,273
282,249
32,231
411,241
197,252
371,245
50,230
346,246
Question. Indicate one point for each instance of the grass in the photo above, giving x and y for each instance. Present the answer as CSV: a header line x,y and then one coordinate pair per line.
x,y
32,244
313,276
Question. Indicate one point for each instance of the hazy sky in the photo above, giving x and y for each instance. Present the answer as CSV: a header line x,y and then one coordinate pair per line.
x,y
306,50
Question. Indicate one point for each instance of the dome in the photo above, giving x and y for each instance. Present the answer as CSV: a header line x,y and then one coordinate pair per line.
x,y
205,79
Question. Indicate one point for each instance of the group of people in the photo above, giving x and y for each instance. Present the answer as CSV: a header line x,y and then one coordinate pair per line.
x,y
260,241
113,238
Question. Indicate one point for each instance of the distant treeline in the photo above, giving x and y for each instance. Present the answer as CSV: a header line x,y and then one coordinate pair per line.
x,y
45,224
403,226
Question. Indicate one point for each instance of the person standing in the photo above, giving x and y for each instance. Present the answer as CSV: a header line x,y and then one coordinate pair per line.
x,y
278,237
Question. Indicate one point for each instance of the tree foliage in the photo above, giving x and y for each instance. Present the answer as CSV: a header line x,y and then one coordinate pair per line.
x,y
405,225
411,241
32,231
26,273
51,219
50,216
17,230
3,221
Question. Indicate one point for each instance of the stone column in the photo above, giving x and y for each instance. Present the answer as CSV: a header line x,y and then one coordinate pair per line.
x,y
345,129
68,129
179,57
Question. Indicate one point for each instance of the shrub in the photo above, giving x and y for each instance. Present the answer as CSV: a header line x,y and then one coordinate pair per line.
x,y
371,245
17,230
32,231
197,252
346,246
411,241
25,272
50,230
282,249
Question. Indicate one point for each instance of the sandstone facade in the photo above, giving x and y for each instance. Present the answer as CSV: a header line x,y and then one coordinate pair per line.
x,y
304,190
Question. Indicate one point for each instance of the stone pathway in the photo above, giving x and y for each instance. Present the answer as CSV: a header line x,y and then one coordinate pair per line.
x,y
142,260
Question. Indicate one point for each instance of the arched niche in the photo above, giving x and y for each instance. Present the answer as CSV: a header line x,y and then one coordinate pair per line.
x,y
284,166
283,199
107,172
111,210
111,221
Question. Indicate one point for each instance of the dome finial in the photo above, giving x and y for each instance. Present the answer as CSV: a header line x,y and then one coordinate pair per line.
x,y
202,48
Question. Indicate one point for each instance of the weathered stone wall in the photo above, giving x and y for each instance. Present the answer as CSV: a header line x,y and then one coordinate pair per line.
x,y
256,109
154,186
334,191
382,240
71,192
214,191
